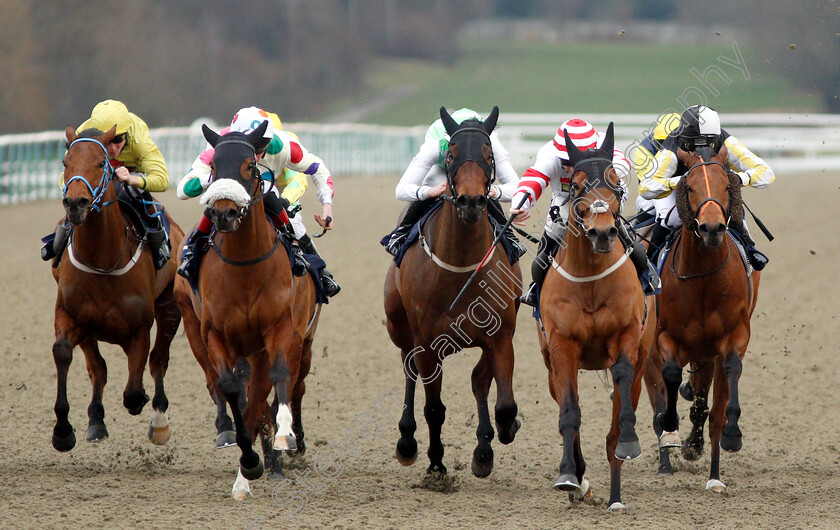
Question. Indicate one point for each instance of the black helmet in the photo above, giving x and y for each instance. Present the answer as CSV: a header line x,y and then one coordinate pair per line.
x,y
699,127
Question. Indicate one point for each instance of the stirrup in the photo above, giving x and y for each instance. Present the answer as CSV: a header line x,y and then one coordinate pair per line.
x,y
531,297
331,287
395,243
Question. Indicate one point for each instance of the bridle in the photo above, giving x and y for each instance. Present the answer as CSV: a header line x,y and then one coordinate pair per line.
x,y
255,192
708,199
104,181
595,169
470,153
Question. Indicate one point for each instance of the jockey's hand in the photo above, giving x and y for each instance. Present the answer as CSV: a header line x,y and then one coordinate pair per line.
x,y
493,193
326,212
520,215
134,180
437,191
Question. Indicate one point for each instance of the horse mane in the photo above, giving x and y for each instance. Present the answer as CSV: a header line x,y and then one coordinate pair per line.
x,y
92,132
736,202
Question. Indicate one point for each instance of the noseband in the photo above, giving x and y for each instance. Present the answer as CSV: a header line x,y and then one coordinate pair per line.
x,y
470,153
595,179
104,181
256,188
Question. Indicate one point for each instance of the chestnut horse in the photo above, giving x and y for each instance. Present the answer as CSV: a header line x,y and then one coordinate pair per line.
x,y
108,291
418,295
595,316
249,309
707,299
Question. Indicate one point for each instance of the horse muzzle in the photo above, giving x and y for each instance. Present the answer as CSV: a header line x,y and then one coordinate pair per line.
x,y
226,219
76,208
712,234
470,207
602,240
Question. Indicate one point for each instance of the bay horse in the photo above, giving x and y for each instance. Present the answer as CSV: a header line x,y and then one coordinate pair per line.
x,y
249,309
595,316
708,296
418,295
108,290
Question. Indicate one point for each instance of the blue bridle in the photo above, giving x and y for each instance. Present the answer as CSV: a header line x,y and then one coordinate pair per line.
x,y
104,182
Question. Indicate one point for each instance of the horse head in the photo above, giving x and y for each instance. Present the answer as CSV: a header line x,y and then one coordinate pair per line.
x,y
470,167
708,197
87,173
235,182
596,192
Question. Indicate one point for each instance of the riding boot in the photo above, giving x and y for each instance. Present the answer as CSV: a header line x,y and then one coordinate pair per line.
x,y
159,244
191,253
498,214
757,258
331,287
55,243
274,205
413,214
539,268
645,270
657,240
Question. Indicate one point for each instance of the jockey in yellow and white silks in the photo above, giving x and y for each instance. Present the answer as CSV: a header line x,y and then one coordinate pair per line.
x,y
700,126
644,160
285,163
424,180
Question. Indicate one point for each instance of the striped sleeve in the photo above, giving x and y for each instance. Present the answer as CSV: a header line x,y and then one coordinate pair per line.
x,y
532,184
752,169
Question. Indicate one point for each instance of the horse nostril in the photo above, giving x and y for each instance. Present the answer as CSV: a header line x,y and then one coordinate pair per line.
x,y
591,233
230,214
481,202
612,232
461,201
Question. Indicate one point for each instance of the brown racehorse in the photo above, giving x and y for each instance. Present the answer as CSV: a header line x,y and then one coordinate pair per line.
x,y
108,291
419,293
596,317
705,307
249,307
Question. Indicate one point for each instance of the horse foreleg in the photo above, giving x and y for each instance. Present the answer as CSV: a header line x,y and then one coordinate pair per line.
x,y
137,351
297,396
284,437
98,373
701,379
63,438
731,439
564,381
407,445
672,375
167,319
431,376
658,401
716,421
627,447
482,461
506,408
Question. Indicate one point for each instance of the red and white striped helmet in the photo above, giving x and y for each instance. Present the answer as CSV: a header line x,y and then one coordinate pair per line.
x,y
581,132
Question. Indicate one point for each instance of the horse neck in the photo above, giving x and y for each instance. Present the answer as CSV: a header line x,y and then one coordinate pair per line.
x,y
253,237
579,258
694,257
456,242
101,239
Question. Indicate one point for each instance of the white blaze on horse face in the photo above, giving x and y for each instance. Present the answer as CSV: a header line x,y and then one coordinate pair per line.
x,y
225,189
284,438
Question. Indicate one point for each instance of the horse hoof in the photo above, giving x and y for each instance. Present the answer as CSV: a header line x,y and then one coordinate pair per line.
x,y
482,462
568,482
252,473
617,507
507,436
159,431
276,474
285,443
64,443
665,471
692,451
715,486
241,495
669,439
135,403
686,391
97,433
582,494
436,469
628,450
731,444
241,488
406,451
225,439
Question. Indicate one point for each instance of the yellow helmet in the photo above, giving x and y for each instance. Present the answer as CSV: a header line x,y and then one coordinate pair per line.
x,y
109,113
665,124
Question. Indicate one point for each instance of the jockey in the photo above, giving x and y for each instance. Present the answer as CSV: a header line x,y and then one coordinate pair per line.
x,y
424,181
285,160
644,160
552,167
700,126
138,165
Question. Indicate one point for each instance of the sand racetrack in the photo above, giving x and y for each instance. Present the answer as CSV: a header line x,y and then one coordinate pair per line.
x,y
786,476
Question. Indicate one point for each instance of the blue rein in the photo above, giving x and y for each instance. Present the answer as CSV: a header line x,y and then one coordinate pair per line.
x,y
104,182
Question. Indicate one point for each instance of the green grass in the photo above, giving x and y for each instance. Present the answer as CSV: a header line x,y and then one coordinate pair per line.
x,y
582,78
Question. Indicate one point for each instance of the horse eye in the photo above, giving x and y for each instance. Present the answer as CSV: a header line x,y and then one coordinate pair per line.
x,y
102,165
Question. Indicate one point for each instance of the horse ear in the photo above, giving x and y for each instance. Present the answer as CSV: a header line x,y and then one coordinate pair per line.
x,y
490,122
109,135
70,134
575,154
256,136
448,123
210,135
609,140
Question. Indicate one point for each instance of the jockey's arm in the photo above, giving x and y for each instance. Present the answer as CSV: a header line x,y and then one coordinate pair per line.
x,y
410,188
147,159
752,170
508,180
659,181
293,155
295,184
536,178
197,178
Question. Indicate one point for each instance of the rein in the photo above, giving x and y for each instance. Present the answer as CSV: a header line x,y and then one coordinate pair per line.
x,y
709,199
104,181
246,263
699,275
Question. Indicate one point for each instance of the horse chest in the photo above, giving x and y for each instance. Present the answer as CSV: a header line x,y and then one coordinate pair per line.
x,y
106,312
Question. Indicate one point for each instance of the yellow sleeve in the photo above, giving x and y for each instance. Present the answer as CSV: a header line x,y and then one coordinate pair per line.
x,y
295,185
142,154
